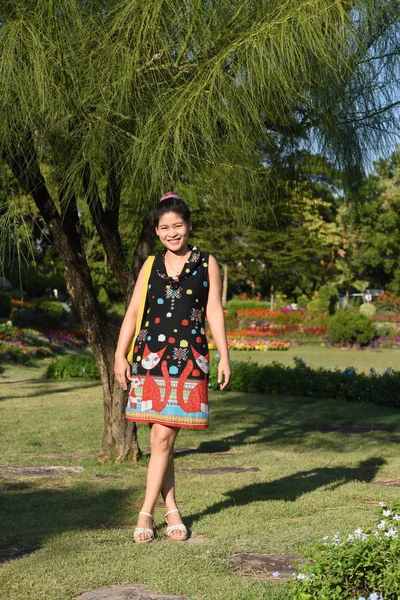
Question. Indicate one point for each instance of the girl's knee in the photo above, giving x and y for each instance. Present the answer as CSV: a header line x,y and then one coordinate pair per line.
x,y
162,439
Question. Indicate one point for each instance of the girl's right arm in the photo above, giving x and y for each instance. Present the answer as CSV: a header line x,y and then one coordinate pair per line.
x,y
122,368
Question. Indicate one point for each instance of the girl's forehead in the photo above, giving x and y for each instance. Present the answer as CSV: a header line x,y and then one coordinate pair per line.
x,y
170,218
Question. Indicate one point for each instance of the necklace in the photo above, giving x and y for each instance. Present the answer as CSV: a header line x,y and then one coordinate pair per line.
x,y
176,271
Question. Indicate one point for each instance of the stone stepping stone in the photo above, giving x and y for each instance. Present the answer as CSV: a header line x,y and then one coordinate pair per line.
x,y
353,428
215,451
262,566
386,482
217,470
127,592
34,471
7,555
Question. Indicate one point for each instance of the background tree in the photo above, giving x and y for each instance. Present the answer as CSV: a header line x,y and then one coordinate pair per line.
x,y
126,98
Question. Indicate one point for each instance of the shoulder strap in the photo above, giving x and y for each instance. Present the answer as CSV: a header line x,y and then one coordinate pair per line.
x,y
147,270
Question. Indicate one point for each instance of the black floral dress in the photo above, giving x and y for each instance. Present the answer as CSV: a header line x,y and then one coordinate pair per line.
x,y
171,358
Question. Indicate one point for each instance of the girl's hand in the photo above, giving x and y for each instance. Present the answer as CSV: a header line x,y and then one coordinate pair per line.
x,y
224,373
122,371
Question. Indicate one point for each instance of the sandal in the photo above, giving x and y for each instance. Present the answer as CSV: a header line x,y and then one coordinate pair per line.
x,y
139,530
178,527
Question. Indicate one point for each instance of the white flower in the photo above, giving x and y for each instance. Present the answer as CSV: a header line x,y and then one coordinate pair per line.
x,y
375,596
364,537
382,504
377,535
351,538
310,576
275,574
358,534
300,576
396,517
361,598
392,532
381,524
386,513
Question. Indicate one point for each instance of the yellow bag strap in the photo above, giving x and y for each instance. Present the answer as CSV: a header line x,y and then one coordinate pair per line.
x,y
139,318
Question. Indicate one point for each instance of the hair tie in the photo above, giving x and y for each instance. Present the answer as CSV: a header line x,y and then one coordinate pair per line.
x,y
170,195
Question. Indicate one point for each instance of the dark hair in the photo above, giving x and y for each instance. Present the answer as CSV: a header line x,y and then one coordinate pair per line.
x,y
175,205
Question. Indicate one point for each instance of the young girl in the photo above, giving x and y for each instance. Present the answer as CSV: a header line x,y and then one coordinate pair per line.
x,y
169,373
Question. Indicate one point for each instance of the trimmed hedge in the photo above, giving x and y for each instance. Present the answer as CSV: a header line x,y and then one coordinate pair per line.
x,y
73,366
302,380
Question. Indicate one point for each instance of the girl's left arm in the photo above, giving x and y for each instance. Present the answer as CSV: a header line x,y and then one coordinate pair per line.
x,y
215,317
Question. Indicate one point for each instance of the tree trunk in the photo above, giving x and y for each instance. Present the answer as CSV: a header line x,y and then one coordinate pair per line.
x,y
120,436
271,292
225,284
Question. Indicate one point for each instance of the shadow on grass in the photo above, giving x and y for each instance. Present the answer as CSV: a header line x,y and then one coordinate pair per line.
x,y
293,486
30,517
256,420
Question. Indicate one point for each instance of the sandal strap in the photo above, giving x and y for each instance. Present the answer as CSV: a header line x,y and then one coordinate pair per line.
x,y
174,510
179,527
140,530
143,512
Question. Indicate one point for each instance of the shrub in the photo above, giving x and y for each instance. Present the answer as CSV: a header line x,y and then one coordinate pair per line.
x,y
83,367
302,380
5,304
367,309
326,301
348,326
362,565
50,313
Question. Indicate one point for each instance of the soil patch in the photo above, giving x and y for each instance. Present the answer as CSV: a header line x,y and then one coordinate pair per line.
x,y
217,470
266,566
127,592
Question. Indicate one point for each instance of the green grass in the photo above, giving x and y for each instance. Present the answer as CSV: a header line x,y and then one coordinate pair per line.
x,y
318,355
310,484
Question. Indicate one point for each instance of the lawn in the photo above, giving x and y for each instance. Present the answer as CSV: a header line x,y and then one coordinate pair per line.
x,y
309,484
324,355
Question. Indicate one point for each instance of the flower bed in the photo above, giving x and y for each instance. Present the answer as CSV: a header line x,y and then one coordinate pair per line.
x,y
256,344
362,565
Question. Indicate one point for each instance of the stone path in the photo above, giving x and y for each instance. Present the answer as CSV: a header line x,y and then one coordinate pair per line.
x,y
264,566
386,482
127,592
57,470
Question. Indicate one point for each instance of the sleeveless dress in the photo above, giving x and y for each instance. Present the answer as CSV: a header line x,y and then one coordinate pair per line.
x,y
171,359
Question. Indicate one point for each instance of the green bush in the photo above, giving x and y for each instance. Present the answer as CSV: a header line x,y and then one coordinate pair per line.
x,y
351,327
50,313
361,565
5,304
367,309
326,301
302,380
66,367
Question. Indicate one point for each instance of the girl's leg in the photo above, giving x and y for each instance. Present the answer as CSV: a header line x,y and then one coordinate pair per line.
x,y
162,439
168,494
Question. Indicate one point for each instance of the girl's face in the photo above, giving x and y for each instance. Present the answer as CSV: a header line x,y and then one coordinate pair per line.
x,y
173,232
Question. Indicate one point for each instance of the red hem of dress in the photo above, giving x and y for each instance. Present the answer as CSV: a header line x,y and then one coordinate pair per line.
x,y
180,425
